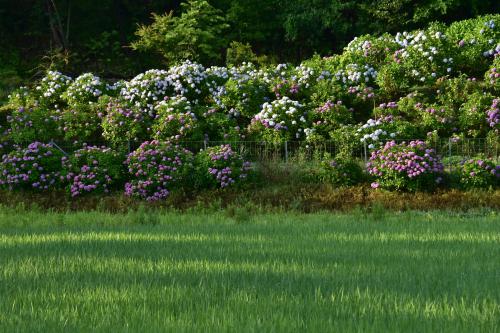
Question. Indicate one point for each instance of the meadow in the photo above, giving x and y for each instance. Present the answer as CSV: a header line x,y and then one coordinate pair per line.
x,y
213,271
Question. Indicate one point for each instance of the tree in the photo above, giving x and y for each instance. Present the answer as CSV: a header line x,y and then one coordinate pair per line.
x,y
197,34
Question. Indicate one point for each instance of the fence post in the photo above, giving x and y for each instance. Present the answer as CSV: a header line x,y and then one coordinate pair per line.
x,y
497,142
286,151
55,145
365,152
450,162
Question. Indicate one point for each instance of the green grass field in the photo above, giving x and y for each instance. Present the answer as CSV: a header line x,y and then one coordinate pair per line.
x,y
321,272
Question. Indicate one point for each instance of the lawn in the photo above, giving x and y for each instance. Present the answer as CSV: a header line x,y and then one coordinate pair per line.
x,y
321,272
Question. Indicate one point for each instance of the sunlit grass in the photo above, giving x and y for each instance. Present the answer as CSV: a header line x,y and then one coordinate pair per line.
x,y
276,272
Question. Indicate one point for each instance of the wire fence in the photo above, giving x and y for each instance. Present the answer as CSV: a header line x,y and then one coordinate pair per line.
x,y
451,150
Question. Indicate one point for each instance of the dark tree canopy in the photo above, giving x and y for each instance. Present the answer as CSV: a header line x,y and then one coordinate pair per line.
x,y
96,35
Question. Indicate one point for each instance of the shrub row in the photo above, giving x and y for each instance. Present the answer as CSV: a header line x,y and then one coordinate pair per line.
x,y
151,172
442,81
157,168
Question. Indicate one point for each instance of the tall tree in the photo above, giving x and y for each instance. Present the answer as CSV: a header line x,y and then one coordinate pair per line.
x,y
196,34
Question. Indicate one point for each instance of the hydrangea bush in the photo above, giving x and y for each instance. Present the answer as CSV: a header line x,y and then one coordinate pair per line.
x,y
83,123
493,115
175,120
245,91
341,171
124,123
157,168
406,166
34,123
474,115
49,92
190,80
282,119
376,131
476,42
146,90
85,89
220,167
93,169
437,82
37,167
479,173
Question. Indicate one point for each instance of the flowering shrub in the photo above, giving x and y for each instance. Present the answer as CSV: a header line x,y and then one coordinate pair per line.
x,y
92,170
146,90
475,116
20,98
122,123
83,123
411,166
218,126
34,123
329,116
354,75
375,131
155,169
493,114
479,173
492,76
439,118
51,88
296,83
220,167
454,92
175,120
476,42
429,83
36,167
85,89
341,172
281,120
190,80
245,91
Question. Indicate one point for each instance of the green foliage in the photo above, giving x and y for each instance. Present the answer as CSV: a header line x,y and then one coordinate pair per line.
x,y
34,167
9,81
474,42
122,123
157,168
94,170
239,53
479,173
473,114
37,123
82,122
176,120
340,171
405,167
197,34
244,94
220,167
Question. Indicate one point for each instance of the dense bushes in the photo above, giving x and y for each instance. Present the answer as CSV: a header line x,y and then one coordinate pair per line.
x,y
156,168
38,167
479,173
93,170
341,172
423,79
412,166
220,167
439,82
